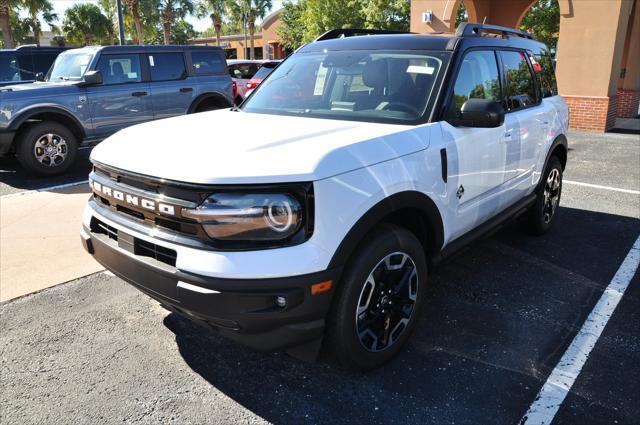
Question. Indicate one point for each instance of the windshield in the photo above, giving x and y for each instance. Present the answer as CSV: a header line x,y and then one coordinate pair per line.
x,y
9,69
373,86
69,66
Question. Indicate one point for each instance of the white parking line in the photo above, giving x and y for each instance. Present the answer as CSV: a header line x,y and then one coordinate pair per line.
x,y
44,189
554,391
597,186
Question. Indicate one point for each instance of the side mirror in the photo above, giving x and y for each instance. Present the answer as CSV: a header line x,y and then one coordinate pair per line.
x,y
91,78
484,113
39,76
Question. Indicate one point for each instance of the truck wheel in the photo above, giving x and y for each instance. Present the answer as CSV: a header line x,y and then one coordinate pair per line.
x,y
539,219
47,149
379,299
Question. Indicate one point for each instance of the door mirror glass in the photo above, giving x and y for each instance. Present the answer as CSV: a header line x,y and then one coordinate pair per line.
x,y
91,78
480,113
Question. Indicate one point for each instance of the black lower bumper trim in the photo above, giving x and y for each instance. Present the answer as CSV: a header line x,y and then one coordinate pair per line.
x,y
244,310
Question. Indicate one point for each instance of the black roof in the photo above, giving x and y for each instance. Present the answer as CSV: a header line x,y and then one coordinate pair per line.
x,y
34,49
467,35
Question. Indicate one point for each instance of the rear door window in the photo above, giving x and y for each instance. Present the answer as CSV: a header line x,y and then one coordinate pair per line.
x,y
542,63
520,86
120,69
167,66
206,62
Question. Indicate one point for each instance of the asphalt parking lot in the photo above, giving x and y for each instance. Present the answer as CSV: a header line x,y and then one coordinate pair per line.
x,y
499,317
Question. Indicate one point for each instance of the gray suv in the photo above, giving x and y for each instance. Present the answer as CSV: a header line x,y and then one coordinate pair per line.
x,y
90,93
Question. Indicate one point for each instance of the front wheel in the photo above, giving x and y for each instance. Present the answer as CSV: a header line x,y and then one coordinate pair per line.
x,y
46,149
539,219
379,299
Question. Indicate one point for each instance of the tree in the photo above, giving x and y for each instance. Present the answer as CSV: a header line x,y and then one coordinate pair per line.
x,y
543,20
461,14
216,10
291,37
181,32
171,11
387,14
6,6
251,10
321,16
85,24
34,8
133,7
110,10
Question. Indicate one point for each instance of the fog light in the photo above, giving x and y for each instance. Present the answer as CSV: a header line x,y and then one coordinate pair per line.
x,y
281,301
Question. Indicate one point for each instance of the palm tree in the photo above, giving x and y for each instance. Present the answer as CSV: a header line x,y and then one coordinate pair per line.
x,y
172,10
5,23
85,24
133,6
216,9
251,10
35,7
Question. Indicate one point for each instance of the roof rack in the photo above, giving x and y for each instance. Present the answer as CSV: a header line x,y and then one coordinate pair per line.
x,y
469,29
350,32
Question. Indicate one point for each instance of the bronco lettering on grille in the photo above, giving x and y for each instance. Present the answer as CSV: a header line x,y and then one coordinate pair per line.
x,y
136,201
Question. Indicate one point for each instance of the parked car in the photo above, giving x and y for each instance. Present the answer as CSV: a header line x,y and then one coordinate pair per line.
x,y
25,63
264,70
242,71
364,161
91,93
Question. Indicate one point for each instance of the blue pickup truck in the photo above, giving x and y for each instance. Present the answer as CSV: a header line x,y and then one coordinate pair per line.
x,y
92,92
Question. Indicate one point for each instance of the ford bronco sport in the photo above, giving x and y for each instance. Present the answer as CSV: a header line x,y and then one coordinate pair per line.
x,y
366,160
91,93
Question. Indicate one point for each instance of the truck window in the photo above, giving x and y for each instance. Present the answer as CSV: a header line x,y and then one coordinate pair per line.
x,y
120,69
167,66
478,78
521,91
206,62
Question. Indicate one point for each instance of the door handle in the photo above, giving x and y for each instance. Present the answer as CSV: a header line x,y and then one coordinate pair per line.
x,y
139,93
186,90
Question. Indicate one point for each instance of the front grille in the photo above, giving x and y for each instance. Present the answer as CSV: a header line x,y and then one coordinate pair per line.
x,y
134,245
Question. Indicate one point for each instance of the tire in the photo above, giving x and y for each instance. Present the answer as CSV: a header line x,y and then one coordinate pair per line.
x,y
58,147
354,318
541,216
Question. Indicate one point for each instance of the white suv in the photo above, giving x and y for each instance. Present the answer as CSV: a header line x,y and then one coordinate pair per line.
x,y
363,161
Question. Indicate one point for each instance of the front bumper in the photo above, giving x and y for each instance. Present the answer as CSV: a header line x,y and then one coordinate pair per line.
x,y
6,141
243,310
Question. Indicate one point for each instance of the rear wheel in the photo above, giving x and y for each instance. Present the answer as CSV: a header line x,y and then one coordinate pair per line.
x,y
379,299
46,149
539,219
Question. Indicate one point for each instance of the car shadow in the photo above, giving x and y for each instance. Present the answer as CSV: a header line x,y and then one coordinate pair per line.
x,y
17,179
497,319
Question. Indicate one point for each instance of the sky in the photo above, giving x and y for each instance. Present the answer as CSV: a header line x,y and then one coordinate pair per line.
x,y
199,24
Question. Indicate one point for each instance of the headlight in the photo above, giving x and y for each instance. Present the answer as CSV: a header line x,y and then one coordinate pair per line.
x,y
260,217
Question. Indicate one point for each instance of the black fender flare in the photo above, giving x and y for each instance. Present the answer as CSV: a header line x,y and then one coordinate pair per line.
x,y
381,210
559,141
17,122
209,95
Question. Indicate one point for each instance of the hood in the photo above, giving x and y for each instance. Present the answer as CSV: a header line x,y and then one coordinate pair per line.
x,y
227,147
38,85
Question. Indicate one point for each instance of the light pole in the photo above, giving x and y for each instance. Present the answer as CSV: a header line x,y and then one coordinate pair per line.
x,y
120,22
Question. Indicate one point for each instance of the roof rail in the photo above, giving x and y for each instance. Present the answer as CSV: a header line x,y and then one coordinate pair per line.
x,y
350,32
469,29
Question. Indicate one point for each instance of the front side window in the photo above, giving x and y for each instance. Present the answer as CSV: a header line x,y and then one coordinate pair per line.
x,y
9,68
207,62
478,78
167,66
520,90
374,86
120,69
69,66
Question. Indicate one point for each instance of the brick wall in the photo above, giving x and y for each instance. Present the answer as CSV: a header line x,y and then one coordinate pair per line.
x,y
628,101
596,114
